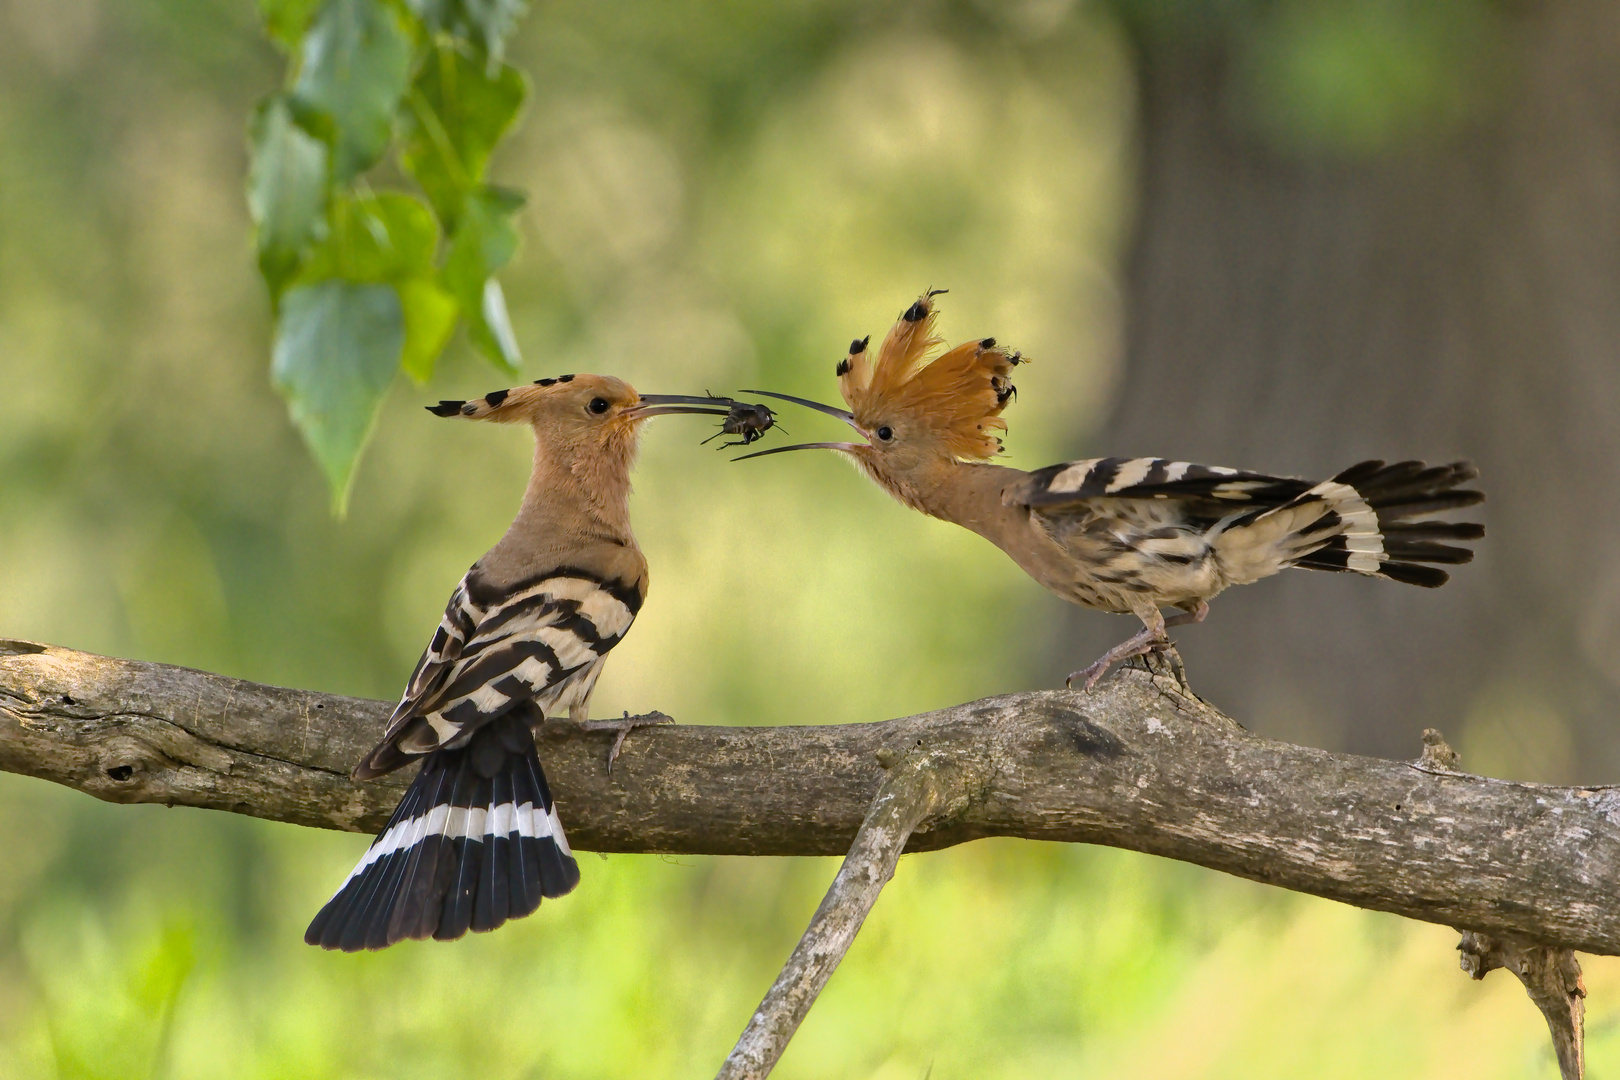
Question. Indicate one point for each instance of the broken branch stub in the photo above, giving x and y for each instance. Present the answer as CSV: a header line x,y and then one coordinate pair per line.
x,y
1552,978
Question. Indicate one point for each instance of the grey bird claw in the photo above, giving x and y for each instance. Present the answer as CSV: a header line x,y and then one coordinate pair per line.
x,y
624,727
1090,674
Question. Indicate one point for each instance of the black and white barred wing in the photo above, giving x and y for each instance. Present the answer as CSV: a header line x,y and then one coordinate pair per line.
x,y
1369,519
1207,491
477,839
542,640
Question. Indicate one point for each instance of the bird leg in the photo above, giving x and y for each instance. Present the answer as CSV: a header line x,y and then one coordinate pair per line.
x,y
1196,615
1145,640
624,727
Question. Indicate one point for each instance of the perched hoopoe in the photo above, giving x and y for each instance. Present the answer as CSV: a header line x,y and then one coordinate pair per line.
x,y
476,839
1126,535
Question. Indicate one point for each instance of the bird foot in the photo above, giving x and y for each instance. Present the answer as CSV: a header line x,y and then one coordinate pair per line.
x,y
1143,641
624,727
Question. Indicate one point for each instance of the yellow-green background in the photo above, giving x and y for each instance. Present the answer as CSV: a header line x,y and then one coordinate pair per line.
x,y
722,195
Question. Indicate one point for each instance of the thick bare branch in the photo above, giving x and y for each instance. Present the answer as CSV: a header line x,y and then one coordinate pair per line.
x,y
920,786
1140,764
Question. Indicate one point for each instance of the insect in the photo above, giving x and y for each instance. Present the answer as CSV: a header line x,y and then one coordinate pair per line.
x,y
747,420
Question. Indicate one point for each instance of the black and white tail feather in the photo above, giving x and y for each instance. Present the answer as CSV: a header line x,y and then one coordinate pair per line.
x,y
1369,519
477,840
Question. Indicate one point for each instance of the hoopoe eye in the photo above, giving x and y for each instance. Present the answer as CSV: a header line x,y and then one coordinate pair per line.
x,y
885,433
598,405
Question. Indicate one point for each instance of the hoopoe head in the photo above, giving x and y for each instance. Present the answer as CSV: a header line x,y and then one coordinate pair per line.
x,y
916,410
588,424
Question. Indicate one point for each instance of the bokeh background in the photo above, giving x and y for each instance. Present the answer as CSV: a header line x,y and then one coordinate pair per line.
x,y
1279,235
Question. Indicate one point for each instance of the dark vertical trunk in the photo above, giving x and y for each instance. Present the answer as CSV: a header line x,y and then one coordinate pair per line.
x,y
1458,298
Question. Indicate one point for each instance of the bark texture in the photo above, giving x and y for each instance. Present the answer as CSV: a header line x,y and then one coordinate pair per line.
x,y
1141,764
1454,294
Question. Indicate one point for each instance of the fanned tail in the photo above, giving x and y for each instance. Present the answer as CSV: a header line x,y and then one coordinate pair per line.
x,y
474,842
1375,522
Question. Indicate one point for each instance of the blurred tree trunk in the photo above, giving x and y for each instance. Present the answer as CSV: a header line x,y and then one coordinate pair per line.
x,y
1457,297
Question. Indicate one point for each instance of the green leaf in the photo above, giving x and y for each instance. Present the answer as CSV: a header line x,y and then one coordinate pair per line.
x,y
430,316
284,20
493,331
375,238
391,238
286,191
483,242
337,347
490,22
458,111
354,64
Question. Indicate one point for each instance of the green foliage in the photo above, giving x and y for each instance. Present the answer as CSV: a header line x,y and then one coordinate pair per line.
x,y
338,344
458,112
286,190
483,242
354,63
426,78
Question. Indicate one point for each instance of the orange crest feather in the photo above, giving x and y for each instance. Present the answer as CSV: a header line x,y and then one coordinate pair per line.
x,y
959,395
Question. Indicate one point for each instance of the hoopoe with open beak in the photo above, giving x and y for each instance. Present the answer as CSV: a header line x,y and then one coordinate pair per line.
x,y
476,840
1126,535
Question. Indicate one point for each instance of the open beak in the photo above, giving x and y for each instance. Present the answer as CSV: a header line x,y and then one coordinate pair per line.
x,y
673,404
846,417
846,446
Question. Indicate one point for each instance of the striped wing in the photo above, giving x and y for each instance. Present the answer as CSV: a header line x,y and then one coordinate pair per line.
x,y
497,647
1207,491
1154,524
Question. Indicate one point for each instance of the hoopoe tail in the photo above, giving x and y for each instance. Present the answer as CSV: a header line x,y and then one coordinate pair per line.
x,y
1370,519
474,842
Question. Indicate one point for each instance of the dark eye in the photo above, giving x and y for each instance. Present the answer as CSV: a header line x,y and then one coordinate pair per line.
x,y
599,405
885,433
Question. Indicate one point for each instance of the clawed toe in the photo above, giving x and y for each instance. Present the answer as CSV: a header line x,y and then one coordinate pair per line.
x,y
1089,676
1144,642
623,728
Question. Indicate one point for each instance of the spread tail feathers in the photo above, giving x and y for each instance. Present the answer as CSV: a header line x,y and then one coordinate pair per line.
x,y
474,842
1374,524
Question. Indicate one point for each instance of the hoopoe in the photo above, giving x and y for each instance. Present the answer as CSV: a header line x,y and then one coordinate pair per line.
x,y
476,840
1125,535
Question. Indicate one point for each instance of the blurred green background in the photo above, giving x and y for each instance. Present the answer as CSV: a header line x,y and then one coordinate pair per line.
x,y
721,196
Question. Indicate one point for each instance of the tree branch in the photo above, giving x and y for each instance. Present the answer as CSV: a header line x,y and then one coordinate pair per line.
x,y
1529,871
1552,977
920,786
1140,764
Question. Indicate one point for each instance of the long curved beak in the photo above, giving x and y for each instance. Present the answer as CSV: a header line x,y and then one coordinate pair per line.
x,y
845,446
673,404
846,417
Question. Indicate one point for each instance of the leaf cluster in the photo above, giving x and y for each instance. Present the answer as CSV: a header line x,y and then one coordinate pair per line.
x,y
365,282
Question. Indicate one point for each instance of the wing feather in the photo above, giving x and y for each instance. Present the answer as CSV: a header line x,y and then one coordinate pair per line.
x,y
496,647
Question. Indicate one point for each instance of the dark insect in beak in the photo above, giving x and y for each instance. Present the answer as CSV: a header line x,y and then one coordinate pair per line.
x,y
748,420
846,417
